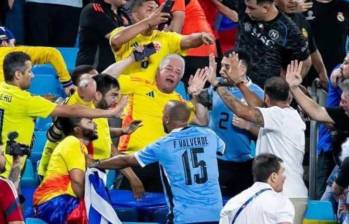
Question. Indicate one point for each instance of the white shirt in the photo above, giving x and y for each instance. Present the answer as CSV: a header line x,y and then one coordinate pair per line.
x,y
72,3
269,207
283,136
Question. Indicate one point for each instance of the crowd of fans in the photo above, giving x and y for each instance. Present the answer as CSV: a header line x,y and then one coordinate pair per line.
x,y
242,134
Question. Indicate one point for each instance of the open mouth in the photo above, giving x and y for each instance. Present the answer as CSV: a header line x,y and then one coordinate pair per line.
x,y
171,81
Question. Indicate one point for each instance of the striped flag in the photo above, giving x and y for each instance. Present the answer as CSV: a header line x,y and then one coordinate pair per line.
x,y
97,200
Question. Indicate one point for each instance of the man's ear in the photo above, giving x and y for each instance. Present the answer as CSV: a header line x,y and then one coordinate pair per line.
x,y
99,96
18,75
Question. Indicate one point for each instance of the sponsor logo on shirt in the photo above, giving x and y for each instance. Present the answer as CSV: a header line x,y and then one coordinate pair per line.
x,y
310,15
340,17
151,94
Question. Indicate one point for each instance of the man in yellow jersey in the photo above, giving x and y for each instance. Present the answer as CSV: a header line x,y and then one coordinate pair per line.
x,y
41,55
62,190
18,108
146,102
101,91
147,16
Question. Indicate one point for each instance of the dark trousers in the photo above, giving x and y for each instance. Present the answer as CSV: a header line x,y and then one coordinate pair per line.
x,y
51,25
234,177
150,177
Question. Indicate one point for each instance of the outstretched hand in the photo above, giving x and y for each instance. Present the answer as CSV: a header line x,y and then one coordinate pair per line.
x,y
132,127
293,74
197,82
235,72
158,17
212,70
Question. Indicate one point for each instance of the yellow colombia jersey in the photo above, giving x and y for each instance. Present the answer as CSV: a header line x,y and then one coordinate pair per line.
x,y
40,55
146,103
68,155
165,42
18,110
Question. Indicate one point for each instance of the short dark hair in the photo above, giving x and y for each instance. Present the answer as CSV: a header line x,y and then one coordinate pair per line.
x,y
179,111
243,56
105,83
79,71
277,88
13,62
68,124
134,4
264,165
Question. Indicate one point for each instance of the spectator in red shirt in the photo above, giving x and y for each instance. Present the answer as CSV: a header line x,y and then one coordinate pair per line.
x,y
10,210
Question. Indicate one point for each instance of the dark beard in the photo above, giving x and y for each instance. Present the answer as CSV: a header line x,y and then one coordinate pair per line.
x,y
89,135
102,104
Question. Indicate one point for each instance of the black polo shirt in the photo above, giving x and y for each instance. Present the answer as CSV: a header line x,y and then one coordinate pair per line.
x,y
271,45
330,25
96,21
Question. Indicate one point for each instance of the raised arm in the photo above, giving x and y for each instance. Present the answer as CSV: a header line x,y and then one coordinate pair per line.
x,y
196,85
196,40
128,33
226,11
314,110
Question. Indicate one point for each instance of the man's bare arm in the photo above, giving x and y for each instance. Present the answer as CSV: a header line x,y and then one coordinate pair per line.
x,y
246,112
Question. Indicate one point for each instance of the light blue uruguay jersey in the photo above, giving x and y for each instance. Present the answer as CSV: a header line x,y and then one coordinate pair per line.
x,y
240,145
190,174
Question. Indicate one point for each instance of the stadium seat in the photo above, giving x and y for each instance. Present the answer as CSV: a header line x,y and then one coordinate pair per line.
x,y
46,84
34,221
69,54
43,69
38,146
27,193
319,212
43,124
181,90
29,178
111,176
151,208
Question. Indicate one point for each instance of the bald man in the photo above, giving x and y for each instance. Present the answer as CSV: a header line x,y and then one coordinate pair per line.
x,y
187,156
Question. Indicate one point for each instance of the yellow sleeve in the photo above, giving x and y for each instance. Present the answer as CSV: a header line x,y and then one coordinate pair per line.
x,y
50,55
123,48
38,106
126,84
73,154
46,156
174,42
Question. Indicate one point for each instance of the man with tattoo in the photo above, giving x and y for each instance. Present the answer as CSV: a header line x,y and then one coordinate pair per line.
x,y
10,210
280,128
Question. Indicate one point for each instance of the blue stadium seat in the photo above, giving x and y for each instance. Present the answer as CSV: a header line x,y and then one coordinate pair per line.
x,y
69,54
182,91
319,212
27,193
38,146
46,84
43,124
29,177
43,69
34,221
111,176
151,208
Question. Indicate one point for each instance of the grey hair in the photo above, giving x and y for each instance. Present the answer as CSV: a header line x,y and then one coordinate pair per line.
x,y
169,57
344,85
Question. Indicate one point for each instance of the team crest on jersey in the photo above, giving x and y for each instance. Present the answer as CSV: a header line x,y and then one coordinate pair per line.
x,y
310,15
247,27
305,33
340,17
274,34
